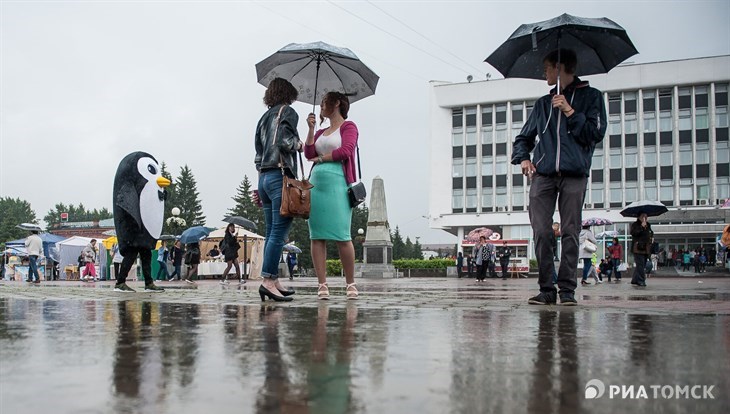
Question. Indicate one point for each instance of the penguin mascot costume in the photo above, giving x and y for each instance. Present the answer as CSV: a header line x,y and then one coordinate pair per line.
x,y
139,209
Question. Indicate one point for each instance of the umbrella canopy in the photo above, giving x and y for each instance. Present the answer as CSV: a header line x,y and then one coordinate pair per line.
x,y
29,227
317,68
475,234
599,43
195,234
608,234
596,221
726,204
240,221
651,208
292,248
166,237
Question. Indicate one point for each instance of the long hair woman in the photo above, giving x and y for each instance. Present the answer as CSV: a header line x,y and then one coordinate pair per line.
x,y
332,150
230,248
277,143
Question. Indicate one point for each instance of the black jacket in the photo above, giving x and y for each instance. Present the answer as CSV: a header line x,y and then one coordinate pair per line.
x,y
570,153
287,140
641,238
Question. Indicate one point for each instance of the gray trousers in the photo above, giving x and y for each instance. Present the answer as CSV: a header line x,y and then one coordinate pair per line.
x,y
569,192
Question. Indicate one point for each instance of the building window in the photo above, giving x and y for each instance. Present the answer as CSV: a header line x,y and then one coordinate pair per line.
x,y
471,167
650,173
471,125
665,121
631,194
649,159
596,176
685,195
501,164
597,162
501,149
701,96
650,191
457,199
701,119
487,166
685,98
631,140
457,120
614,125
629,102
457,138
457,167
666,194
596,195
501,115
631,175
518,200
614,160
457,152
501,134
614,103
649,102
501,198
649,139
650,122
517,118
487,121
631,160
471,198
685,155
665,100
665,156
615,196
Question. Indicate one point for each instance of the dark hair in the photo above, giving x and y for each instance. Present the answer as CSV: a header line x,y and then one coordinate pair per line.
x,y
279,92
567,58
229,226
586,227
331,99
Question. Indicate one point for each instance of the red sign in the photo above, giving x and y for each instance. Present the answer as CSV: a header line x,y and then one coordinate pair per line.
x,y
64,216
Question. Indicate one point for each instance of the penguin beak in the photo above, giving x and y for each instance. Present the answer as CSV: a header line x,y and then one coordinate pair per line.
x,y
163,182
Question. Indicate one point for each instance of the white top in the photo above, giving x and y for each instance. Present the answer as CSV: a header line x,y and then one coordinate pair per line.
x,y
326,144
34,245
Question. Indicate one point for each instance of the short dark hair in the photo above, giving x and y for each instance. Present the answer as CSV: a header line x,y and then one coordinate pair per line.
x,y
280,92
567,58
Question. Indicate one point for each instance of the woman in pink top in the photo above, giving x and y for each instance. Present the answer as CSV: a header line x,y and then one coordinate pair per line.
x,y
332,150
617,252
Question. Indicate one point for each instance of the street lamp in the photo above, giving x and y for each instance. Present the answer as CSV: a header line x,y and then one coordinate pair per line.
x,y
175,222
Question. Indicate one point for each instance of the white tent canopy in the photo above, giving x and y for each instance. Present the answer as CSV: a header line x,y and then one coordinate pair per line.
x,y
221,232
70,249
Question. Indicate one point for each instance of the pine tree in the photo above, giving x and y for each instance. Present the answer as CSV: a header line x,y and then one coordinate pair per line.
x,y
398,245
170,202
245,206
187,198
75,214
359,221
408,252
417,250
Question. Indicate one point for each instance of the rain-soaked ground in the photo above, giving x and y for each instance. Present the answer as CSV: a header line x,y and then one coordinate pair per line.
x,y
407,346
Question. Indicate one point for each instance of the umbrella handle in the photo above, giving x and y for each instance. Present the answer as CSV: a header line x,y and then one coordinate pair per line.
x,y
316,81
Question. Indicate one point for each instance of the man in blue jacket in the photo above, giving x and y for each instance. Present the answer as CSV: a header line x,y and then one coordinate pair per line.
x,y
569,123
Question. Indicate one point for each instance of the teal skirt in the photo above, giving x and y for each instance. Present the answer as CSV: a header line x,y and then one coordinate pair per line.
x,y
331,216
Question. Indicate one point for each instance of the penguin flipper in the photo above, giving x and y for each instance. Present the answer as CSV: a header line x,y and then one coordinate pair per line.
x,y
128,200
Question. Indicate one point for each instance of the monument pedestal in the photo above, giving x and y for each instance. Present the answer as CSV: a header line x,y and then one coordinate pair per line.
x,y
377,248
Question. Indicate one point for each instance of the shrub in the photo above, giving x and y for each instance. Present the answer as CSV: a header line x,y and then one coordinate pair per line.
x,y
533,264
334,267
423,264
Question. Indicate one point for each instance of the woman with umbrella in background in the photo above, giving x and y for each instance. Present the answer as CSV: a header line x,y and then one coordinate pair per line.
x,y
230,247
277,143
641,235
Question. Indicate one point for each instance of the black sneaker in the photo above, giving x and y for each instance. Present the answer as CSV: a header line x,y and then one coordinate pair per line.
x,y
122,287
544,298
568,299
153,288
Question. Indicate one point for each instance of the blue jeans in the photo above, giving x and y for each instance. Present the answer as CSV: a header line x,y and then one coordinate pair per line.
x,y
277,227
587,263
33,267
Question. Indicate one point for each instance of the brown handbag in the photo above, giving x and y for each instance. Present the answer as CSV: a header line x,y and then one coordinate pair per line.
x,y
296,198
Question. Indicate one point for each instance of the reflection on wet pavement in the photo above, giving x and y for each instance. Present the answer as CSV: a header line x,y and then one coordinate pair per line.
x,y
69,356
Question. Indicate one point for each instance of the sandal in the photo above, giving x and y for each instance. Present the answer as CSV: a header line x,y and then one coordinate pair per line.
x,y
351,291
323,292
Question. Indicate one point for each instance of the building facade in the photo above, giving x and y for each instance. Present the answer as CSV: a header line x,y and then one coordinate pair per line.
x,y
667,140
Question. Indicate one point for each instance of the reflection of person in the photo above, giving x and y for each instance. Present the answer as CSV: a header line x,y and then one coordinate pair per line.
x,y
230,248
271,152
617,252
333,152
176,255
586,256
641,236
562,161
89,253
504,255
192,260
34,247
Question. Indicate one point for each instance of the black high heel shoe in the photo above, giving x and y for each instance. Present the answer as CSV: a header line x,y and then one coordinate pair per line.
x,y
263,292
287,292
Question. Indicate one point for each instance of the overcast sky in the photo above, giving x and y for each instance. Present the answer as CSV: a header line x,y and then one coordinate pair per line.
x,y
85,83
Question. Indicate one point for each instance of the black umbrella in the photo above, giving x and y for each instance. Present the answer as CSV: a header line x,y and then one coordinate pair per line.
x,y
650,208
599,43
317,68
240,221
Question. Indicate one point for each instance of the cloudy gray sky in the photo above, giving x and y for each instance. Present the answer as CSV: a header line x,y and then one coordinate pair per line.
x,y
86,82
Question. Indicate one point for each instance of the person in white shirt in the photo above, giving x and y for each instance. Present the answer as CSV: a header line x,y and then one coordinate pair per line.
x,y
34,247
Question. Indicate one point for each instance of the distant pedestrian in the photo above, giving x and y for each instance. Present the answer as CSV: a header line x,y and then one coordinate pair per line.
x,y
230,247
291,262
585,254
117,259
481,255
176,256
162,273
641,235
469,265
504,253
34,248
89,253
192,260
686,261
617,253
459,265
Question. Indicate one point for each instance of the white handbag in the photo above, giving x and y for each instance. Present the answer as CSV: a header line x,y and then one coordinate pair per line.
x,y
589,246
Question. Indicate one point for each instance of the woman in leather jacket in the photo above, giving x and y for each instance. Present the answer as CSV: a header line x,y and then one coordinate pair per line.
x,y
276,156
641,235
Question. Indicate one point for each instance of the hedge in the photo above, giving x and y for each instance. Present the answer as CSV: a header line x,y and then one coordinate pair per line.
x,y
423,264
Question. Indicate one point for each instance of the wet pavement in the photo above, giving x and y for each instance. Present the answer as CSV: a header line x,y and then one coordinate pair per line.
x,y
406,346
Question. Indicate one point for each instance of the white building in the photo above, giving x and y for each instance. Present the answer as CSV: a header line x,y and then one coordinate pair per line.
x,y
667,140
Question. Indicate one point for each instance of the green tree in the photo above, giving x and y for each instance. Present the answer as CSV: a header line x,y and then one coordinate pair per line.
x,y
359,221
245,206
398,245
408,252
187,198
417,250
14,211
299,235
170,201
80,213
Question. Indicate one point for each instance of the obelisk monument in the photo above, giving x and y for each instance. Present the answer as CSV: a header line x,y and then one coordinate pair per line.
x,y
377,248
